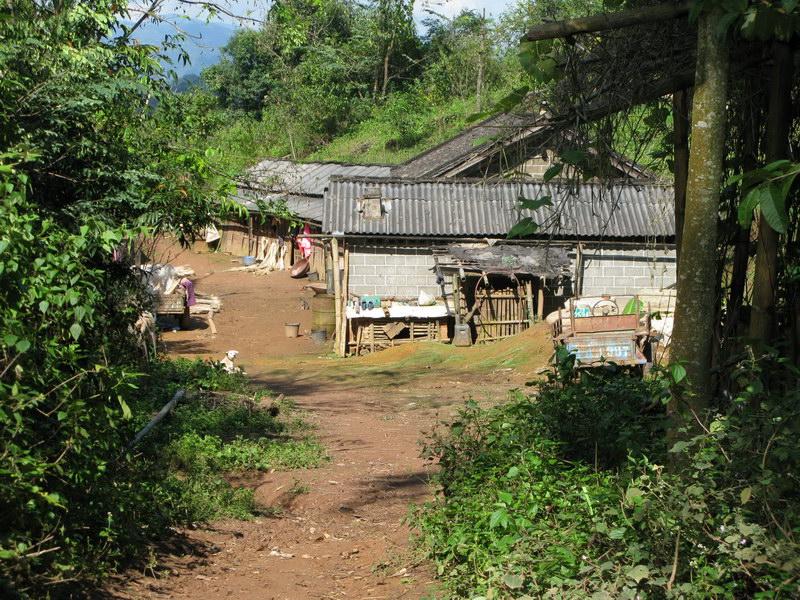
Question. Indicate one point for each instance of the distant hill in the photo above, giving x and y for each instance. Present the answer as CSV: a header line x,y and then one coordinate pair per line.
x,y
202,42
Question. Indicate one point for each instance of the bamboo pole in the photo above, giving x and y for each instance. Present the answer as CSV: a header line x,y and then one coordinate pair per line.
x,y
345,295
337,291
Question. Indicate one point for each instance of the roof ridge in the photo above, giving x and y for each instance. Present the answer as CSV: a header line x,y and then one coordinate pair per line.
x,y
621,182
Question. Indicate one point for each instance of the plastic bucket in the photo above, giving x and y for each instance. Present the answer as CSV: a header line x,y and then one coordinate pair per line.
x,y
248,260
291,329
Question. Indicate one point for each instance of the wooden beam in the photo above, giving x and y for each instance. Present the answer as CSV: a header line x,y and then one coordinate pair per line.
x,y
529,299
337,292
607,21
540,301
342,341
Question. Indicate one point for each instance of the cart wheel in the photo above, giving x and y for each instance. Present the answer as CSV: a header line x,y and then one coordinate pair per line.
x,y
604,308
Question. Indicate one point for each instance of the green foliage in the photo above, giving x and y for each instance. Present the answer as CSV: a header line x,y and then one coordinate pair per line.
x,y
63,404
374,140
98,136
767,189
603,417
192,452
524,512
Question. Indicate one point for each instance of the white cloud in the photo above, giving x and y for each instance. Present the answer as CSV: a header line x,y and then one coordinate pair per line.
x,y
450,8
257,9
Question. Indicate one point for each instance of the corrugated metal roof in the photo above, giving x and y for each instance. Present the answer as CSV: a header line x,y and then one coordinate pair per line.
x,y
306,178
477,208
301,185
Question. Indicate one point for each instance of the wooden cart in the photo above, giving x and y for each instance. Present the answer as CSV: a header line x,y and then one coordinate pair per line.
x,y
604,336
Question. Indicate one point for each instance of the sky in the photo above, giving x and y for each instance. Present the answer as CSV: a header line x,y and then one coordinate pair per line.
x,y
257,8
204,39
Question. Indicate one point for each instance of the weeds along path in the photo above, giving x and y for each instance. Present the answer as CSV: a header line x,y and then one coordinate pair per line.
x,y
337,531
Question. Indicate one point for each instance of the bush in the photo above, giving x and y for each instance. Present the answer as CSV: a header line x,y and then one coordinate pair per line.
x,y
515,518
604,416
64,418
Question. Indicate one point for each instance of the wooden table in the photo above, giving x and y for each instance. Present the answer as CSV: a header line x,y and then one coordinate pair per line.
x,y
377,334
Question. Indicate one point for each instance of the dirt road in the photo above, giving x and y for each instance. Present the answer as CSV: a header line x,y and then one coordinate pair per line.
x,y
338,531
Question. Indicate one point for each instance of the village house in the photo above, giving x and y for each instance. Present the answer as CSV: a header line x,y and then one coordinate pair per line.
x,y
410,241
291,194
422,247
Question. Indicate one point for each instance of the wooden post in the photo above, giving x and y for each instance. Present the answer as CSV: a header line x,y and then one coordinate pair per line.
x,y
337,291
457,298
540,300
165,410
250,235
529,299
345,296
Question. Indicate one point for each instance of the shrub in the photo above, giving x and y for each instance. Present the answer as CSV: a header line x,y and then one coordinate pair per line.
x,y
515,518
604,416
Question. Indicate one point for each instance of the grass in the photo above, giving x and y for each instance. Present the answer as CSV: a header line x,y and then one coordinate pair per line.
x,y
374,140
223,427
401,128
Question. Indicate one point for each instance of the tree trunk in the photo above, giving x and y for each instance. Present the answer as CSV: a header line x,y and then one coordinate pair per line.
x,y
779,121
386,60
481,62
697,278
741,248
680,117
607,21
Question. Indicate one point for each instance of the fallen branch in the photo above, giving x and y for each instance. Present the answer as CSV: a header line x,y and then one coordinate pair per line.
x,y
607,21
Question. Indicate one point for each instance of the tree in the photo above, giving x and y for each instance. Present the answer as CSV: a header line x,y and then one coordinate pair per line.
x,y
779,122
696,309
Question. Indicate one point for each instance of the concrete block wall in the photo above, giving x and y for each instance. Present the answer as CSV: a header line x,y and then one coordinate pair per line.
x,y
625,270
392,270
402,269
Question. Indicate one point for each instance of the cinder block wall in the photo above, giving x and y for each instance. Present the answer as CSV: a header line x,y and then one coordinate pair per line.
x,y
624,270
398,270
402,269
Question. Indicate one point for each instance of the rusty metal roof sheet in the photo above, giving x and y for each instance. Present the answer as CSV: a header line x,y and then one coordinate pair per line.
x,y
471,208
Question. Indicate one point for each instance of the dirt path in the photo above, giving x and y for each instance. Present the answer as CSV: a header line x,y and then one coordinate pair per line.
x,y
338,531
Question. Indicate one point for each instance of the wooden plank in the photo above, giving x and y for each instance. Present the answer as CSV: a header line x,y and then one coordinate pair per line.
x,y
540,301
529,300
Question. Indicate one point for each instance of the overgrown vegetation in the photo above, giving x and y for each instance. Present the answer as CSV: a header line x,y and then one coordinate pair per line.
x,y
119,506
527,508
360,82
94,156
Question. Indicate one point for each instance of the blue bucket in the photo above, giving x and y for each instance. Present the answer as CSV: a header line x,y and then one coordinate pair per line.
x,y
248,260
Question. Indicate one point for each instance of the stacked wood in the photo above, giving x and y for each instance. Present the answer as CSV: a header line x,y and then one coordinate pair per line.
x,y
208,301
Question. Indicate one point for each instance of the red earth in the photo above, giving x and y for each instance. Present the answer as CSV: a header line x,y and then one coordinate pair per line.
x,y
338,531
